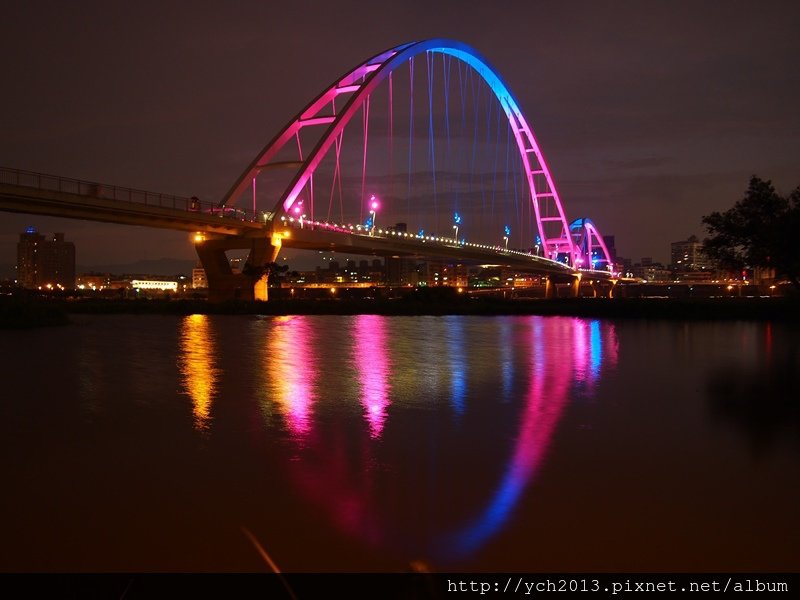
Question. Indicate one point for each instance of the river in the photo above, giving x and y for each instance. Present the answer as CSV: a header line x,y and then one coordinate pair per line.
x,y
136,443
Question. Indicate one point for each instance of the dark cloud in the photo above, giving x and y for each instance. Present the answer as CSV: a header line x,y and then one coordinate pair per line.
x,y
646,162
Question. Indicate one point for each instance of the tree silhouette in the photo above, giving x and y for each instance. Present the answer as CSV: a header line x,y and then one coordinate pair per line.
x,y
757,232
274,271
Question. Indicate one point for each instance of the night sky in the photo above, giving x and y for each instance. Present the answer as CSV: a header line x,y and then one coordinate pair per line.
x,y
650,114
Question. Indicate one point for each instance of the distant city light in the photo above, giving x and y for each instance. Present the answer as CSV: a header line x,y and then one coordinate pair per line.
x,y
151,284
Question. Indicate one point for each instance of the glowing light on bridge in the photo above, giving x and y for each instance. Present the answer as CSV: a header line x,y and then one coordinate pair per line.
x,y
373,212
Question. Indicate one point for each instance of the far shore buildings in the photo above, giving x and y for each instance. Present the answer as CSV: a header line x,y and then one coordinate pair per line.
x,y
45,263
688,263
688,256
48,263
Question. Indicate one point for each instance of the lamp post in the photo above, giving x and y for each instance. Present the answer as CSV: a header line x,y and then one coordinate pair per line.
x,y
298,211
373,208
507,231
457,222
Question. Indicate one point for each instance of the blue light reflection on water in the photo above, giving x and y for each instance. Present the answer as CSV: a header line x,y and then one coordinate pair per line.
x,y
456,353
595,348
546,397
506,355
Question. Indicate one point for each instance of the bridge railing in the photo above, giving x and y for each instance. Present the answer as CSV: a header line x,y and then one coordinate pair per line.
x,y
419,239
56,183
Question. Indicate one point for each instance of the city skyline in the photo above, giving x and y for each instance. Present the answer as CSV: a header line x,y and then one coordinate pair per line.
x,y
644,128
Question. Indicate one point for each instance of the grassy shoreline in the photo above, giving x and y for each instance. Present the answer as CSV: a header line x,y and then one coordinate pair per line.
x,y
18,313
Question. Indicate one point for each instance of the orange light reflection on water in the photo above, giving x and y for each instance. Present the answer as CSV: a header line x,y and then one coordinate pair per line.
x,y
196,363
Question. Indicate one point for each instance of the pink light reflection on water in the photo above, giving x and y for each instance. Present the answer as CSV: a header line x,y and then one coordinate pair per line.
x,y
291,372
550,376
373,368
561,353
594,346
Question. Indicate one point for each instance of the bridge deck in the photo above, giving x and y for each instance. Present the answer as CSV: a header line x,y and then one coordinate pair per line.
x,y
315,237
34,193
170,213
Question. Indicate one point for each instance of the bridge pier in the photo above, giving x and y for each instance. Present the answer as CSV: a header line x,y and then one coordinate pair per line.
x,y
548,288
252,282
575,286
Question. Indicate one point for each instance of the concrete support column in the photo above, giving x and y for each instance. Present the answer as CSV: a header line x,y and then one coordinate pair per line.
x,y
575,286
548,288
223,283
262,254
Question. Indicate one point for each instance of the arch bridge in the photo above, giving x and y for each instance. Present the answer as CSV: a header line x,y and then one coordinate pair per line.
x,y
424,138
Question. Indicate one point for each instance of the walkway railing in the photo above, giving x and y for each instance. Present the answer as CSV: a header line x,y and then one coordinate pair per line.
x,y
422,240
56,183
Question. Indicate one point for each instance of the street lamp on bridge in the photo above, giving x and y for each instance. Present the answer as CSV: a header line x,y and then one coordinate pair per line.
x,y
507,231
457,222
298,211
373,208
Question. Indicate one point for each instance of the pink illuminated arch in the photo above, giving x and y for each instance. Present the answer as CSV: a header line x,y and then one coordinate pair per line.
x,y
589,245
358,84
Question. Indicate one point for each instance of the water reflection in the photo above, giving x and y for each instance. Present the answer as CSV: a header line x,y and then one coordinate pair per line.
x,y
290,371
506,355
593,346
197,366
456,352
338,469
760,396
552,364
90,375
560,351
541,470
371,347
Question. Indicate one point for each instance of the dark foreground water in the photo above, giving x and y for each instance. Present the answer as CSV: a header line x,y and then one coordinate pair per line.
x,y
365,443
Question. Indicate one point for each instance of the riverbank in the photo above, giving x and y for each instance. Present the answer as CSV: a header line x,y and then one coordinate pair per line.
x,y
22,313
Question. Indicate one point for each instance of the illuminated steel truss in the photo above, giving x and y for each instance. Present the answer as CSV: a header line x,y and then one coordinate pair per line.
x,y
557,240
